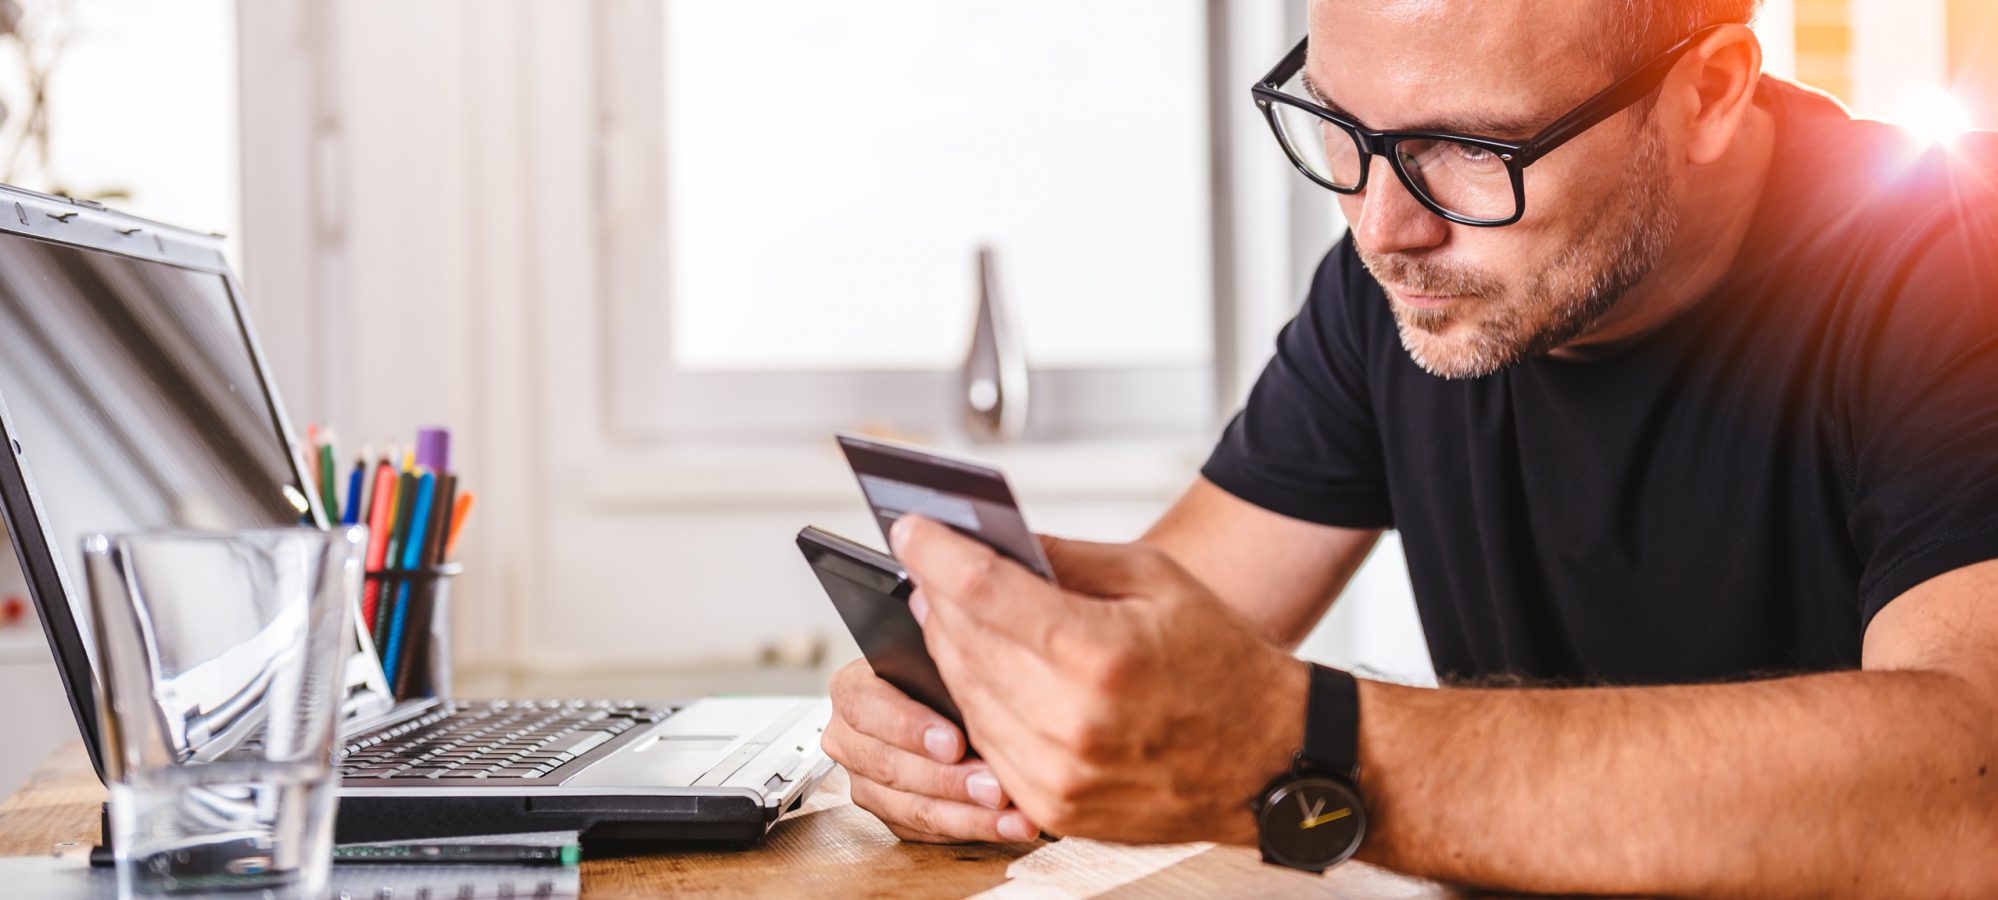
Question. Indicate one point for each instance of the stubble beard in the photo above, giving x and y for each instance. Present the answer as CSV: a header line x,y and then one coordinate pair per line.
x,y
1616,244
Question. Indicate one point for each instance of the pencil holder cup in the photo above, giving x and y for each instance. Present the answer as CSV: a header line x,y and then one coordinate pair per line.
x,y
408,613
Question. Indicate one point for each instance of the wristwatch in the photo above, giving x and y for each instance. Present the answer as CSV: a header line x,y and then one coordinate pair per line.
x,y
1312,817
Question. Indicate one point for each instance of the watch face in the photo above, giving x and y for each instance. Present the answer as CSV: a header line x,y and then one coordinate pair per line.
x,y
1312,823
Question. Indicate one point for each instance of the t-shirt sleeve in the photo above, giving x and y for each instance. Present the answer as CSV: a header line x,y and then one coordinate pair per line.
x,y
1922,404
1305,445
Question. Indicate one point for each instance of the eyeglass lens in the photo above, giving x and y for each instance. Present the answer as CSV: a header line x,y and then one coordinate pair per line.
x,y
1330,152
1466,179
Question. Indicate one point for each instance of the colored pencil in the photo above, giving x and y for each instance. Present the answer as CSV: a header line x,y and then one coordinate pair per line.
x,y
458,515
412,562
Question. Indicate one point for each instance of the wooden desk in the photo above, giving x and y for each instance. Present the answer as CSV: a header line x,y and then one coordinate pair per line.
x,y
828,849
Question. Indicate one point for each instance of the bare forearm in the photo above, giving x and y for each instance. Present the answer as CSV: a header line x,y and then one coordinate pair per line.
x,y
1279,573
1852,782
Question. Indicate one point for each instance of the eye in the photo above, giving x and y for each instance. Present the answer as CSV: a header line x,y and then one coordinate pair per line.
x,y
1471,153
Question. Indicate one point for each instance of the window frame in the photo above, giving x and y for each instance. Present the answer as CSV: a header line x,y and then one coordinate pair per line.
x,y
649,400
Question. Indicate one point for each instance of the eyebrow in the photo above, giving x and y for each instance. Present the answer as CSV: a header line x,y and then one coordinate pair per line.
x,y
1470,125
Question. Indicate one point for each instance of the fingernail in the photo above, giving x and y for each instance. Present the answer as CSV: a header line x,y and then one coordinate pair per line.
x,y
1014,827
898,533
919,606
985,789
941,744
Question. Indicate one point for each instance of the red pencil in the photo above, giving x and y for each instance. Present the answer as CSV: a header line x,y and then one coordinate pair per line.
x,y
381,504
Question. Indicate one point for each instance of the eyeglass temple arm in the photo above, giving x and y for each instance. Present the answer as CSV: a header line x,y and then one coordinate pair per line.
x,y
1292,63
1611,100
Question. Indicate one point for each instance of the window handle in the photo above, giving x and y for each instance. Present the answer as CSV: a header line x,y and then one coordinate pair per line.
x,y
994,387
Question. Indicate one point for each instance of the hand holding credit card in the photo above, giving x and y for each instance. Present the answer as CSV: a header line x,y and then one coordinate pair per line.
x,y
972,498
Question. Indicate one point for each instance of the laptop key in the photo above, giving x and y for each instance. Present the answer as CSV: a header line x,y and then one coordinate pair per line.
x,y
517,773
586,743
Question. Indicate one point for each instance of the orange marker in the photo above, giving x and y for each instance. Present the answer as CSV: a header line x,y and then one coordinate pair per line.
x,y
458,522
378,534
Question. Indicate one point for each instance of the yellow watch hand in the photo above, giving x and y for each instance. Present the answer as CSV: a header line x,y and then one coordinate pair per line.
x,y
1332,816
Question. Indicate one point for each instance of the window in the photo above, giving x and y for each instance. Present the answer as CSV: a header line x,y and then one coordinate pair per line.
x,y
140,107
795,193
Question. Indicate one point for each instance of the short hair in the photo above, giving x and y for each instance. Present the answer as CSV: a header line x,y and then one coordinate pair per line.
x,y
1641,29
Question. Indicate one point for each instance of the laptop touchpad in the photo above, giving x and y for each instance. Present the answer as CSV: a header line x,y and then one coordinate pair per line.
x,y
689,743
680,750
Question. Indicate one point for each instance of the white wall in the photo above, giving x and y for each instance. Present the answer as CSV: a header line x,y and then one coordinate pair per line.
x,y
32,703
434,166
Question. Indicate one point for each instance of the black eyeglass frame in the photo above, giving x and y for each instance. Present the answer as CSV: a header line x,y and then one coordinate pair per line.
x,y
1516,155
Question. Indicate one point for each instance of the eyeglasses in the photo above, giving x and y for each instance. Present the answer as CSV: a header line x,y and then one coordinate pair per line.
x,y
1465,178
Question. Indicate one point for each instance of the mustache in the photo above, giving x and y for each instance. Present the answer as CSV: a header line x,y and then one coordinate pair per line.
x,y
1431,278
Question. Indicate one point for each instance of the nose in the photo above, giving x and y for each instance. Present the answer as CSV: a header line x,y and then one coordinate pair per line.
x,y
1389,219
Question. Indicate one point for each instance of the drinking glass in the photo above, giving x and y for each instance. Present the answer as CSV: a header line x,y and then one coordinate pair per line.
x,y
222,658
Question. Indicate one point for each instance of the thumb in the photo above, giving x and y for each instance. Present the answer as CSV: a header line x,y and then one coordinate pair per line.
x,y
1102,570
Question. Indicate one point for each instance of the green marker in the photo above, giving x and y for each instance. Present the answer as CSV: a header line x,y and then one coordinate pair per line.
x,y
327,497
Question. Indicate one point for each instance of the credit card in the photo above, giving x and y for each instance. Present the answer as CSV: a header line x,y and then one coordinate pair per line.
x,y
970,497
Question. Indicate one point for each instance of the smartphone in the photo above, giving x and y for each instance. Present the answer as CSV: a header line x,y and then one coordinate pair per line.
x,y
871,592
971,497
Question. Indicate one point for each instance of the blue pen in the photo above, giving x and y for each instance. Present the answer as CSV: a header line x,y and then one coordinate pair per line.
x,y
412,559
352,515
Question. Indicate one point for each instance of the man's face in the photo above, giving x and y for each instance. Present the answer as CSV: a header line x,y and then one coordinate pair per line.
x,y
1599,211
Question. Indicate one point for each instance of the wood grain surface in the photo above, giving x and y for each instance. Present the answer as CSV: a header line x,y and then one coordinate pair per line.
x,y
828,849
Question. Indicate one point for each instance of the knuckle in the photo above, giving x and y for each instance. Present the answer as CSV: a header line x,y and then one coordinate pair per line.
x,y
1061,808
920,817
1095,743
847,685
1111,671
866,794
861,757
980,577
832,740
894,772
1090,738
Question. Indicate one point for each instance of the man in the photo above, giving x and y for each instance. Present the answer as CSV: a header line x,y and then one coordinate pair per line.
x,y
1690,428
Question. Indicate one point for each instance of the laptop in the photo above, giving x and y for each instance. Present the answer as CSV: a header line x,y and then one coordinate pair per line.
x,y
133,397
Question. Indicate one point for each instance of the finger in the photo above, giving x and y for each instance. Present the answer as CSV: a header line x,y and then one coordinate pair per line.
x,y
995,683
876,708
952,568
940,821
999,595
1104,570
971,781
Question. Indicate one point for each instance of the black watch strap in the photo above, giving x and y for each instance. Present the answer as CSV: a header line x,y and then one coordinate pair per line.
x,y
1332,723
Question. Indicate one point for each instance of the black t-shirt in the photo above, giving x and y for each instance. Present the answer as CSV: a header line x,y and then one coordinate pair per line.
x,y
1735,494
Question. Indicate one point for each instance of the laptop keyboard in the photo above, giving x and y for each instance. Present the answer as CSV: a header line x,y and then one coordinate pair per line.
x,y
494,739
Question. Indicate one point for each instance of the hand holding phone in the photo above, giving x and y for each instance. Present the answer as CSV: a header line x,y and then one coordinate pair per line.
x,y
871,593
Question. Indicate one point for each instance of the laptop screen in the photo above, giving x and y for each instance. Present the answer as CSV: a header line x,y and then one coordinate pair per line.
x,y
138,404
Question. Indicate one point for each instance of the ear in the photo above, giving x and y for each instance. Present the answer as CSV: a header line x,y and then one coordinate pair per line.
x,y
1716,85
